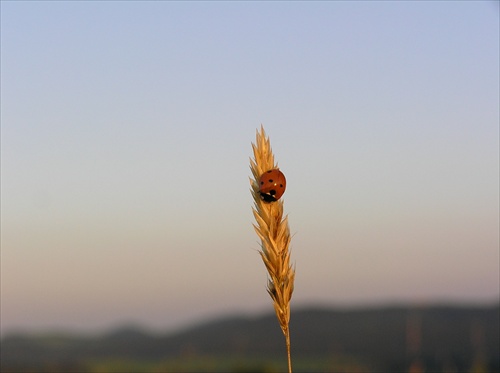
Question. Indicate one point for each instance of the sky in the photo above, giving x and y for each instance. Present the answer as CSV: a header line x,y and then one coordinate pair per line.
x,y
126,131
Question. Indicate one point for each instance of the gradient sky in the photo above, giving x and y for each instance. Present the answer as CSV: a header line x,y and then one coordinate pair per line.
x,y
126,132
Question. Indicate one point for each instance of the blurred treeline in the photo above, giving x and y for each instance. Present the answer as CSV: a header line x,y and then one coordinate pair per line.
x,y
388,339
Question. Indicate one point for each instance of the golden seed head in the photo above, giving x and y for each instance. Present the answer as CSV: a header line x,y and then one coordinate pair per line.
x,y
274,233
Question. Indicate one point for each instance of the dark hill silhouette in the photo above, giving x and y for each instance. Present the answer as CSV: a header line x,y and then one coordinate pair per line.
x,y
387,339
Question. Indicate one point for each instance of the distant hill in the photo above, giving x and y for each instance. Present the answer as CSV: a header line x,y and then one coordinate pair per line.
x,y
388,339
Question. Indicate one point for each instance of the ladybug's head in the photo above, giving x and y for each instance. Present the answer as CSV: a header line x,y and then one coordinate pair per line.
x,y
268,197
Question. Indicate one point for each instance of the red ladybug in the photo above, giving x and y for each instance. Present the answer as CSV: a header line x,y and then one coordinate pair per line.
x,y
272,185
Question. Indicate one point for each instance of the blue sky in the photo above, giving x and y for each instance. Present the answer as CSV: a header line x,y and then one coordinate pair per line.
x,y
126,131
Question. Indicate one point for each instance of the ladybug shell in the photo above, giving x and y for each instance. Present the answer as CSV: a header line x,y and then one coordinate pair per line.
x,y
272,185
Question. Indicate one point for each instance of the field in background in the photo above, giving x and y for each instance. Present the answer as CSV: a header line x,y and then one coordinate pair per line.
x,y
389,339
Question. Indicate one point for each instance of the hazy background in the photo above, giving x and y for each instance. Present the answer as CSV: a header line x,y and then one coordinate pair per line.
x,y
125,137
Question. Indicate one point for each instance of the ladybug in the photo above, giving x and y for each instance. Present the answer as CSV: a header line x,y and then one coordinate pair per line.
x,y
272,185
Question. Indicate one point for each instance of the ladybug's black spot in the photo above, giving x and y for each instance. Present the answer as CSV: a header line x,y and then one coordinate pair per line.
x,y
281,185
261,183
270,180
269,171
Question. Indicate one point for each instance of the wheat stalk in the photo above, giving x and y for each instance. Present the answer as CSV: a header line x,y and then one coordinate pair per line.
x,y
274,233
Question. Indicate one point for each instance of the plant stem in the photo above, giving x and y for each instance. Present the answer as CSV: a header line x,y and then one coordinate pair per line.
x,y
287,337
